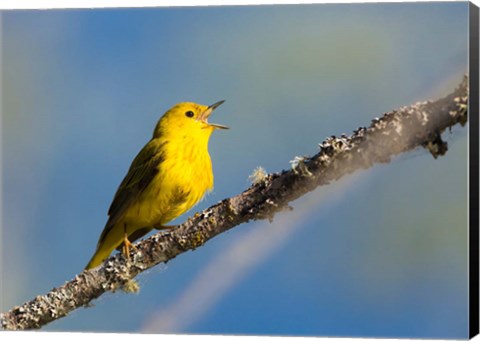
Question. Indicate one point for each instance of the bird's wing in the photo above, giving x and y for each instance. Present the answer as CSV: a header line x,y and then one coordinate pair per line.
x,y
140,174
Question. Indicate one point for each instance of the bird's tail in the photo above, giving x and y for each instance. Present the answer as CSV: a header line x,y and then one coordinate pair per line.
x,y
99,256
111,237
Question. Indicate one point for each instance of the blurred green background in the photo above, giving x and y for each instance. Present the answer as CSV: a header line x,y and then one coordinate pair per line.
x,y
382,253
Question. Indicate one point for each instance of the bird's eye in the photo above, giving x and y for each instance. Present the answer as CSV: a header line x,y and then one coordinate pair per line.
x,y
189,114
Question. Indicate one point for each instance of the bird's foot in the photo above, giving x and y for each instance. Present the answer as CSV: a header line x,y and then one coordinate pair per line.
x,y
127,245
164,227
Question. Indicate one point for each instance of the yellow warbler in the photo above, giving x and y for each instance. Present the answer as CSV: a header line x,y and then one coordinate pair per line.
x,y
171,174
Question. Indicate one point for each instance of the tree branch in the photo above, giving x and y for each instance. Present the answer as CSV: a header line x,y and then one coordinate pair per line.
x,y
398,131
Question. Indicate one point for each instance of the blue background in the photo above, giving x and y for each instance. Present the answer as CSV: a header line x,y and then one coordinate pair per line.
x,y
382,253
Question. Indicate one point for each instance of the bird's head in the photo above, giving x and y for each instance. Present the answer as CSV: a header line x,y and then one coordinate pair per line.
x,y
188,118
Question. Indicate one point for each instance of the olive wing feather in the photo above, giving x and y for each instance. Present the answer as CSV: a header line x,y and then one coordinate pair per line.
x,y
140,174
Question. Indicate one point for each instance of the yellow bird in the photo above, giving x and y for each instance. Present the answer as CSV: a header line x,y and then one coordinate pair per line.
x,y
171,173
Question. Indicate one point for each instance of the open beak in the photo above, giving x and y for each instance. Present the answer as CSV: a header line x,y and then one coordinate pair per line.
x,y
208,112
